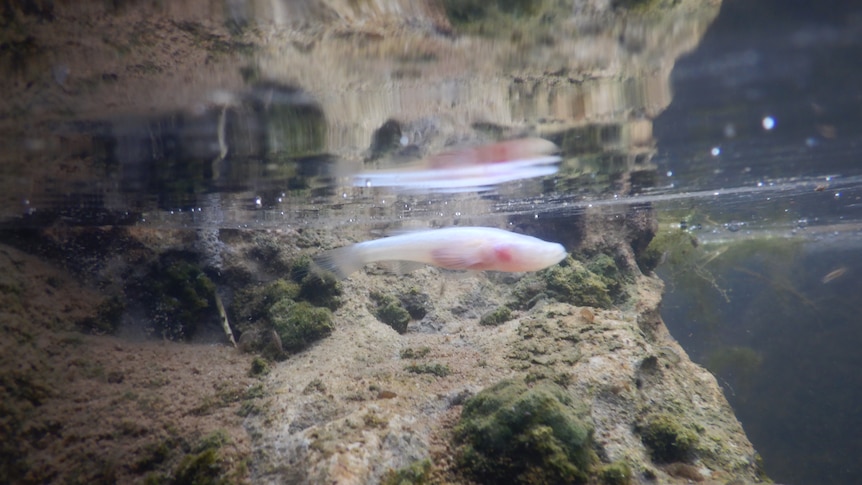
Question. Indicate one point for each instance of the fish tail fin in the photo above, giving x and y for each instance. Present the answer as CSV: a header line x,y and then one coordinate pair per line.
x,y
341,262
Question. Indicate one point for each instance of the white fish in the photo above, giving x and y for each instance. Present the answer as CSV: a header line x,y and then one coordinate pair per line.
x,y
459,248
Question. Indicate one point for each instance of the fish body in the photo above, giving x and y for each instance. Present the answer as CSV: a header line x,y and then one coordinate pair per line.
x,y
457,248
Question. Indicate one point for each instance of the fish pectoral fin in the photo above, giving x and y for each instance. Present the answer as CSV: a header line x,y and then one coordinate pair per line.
x,y
454,258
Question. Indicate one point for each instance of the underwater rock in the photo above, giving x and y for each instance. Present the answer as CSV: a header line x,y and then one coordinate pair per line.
x,y
416,303
181,297
390,311
299,324
569,282
512,433
496,317
667,439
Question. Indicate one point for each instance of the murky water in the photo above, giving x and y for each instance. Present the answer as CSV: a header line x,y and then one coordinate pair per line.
x,y
756,116
743,129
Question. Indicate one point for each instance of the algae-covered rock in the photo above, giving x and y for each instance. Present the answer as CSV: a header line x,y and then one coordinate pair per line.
x,y
390,311
439,370
417,473
275,321
571,282
182,296
253,302
616,473
676,247
298,324
512,433
259,367
496,317
598,283
205,465
609,272
315,287
321,290
495,18
667,439
416,303
107,318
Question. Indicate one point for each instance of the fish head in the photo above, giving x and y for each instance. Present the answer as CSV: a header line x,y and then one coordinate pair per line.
x,y
531,255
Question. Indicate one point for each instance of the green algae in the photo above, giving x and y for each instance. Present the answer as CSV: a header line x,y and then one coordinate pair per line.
x,y
439,370
252,303
674,247
513,433
667,439
322,290
299,324
416,303
616,473
597,282
571,282
411,353
278,318
500,18
318,288
416,473
107,317
259,367
390,311
182,297
496,317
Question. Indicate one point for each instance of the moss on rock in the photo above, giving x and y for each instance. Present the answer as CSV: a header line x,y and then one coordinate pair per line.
x,y
609,271
494,18
674,246
271,319
298,324
416,303
668,440
439,370
259,367
252,303
599,283
417,473
512,433
182,296
390,311
107,318
571,282
321,290
315,287
496,317
616,473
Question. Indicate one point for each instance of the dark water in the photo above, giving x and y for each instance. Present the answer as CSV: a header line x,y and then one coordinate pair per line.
x,y
776,319
757,155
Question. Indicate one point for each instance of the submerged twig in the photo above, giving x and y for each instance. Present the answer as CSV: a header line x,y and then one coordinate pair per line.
x,y
224,321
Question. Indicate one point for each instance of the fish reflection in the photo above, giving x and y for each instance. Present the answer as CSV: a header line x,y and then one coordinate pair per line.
x,y
470,169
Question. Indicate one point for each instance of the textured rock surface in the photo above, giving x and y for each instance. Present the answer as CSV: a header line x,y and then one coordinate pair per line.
x,y
375,415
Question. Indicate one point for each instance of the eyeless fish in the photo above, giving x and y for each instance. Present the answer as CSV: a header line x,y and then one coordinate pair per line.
x,y
457,248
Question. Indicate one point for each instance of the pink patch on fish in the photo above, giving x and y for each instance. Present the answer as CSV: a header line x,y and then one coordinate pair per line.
x,y
503,253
